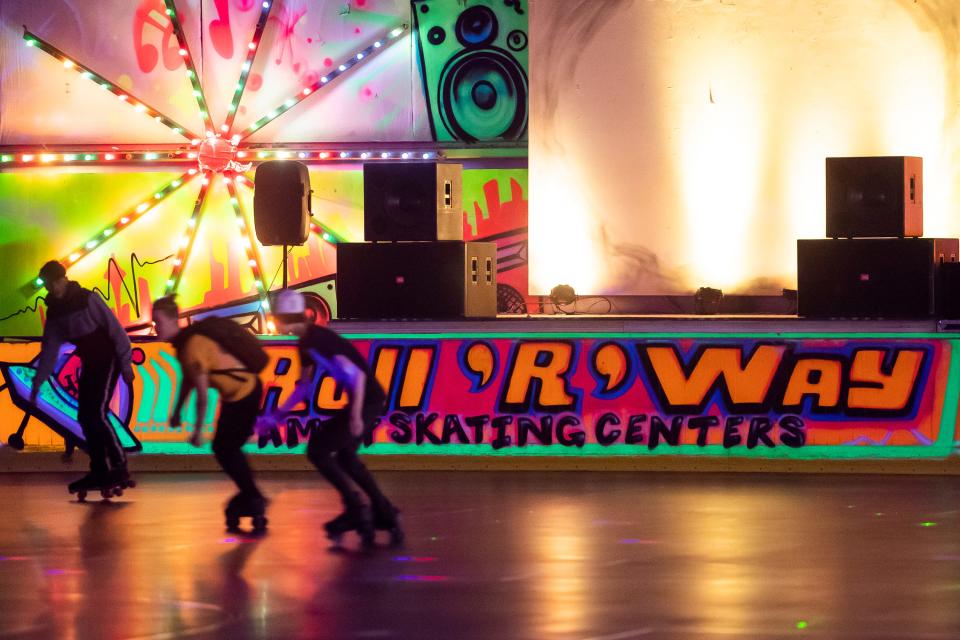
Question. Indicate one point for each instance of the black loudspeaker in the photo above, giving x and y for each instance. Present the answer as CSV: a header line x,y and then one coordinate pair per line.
x,y
879,197
948,295
281,203
473,61
870,277
401,280
412,201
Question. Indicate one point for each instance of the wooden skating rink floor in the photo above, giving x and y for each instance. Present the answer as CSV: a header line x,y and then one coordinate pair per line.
x,y
599,556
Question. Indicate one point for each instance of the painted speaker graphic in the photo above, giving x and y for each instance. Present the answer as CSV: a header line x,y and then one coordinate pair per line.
x,y
473,60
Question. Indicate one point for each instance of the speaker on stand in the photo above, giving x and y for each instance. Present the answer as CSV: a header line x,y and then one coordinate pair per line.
x,y
281,205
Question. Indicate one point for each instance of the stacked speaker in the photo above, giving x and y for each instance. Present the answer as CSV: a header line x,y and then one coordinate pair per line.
x,y
874,264
414,263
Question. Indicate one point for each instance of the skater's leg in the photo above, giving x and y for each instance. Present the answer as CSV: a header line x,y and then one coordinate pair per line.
x,y
349,461
97,381
233,429
324,458
326,464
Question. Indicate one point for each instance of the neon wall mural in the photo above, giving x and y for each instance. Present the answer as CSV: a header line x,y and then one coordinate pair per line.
x,y
131,134
801,397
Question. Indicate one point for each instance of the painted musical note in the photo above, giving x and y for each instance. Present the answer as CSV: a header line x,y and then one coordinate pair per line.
x,y
220,32
151,13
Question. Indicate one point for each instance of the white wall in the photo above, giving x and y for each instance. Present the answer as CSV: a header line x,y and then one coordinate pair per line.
x,y
681,143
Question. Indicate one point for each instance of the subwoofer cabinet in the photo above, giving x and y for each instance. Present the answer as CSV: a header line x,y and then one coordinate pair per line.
x,y
871,277
417,280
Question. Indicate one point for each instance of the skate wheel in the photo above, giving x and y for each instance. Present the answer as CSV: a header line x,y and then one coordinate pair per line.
x,y
335,538
233,523
16,441
131,484
259,523
106,494
396,536
118,491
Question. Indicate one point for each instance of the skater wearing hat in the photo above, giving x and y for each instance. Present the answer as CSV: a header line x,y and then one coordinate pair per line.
x,y
79,316
333,446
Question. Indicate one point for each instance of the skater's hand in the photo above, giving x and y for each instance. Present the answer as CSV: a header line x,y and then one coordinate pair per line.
x,y
175,421
196,438
127,375
265,425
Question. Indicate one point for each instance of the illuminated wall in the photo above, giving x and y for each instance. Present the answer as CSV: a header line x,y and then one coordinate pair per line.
x,y
131,129
764,396
681,144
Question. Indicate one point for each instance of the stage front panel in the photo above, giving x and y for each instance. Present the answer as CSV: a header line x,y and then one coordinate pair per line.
x,y
776,395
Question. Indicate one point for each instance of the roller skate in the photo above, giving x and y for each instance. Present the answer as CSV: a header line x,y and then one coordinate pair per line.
x,y
245,506
110,484
353,519
84,485
115,482
386,517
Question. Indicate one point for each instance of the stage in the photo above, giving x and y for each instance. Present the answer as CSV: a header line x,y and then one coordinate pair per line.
x,y
491,555
570,392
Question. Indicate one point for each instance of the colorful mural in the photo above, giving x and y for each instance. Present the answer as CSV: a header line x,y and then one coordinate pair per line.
x,y
134,266
804,397
131,134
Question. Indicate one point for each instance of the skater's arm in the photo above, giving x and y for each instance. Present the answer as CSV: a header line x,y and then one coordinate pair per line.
x,y
196,377
186,386
357,387
118,335
201,383
300,392
265,424
49,350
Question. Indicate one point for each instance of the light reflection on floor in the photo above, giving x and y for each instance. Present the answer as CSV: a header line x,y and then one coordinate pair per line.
x,y
492,555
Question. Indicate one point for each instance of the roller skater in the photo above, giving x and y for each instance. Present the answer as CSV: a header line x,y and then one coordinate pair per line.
x,y
79,316
219,353
332,448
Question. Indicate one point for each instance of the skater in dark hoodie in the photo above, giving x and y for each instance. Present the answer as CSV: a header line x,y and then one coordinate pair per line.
x,y
80,316
333,445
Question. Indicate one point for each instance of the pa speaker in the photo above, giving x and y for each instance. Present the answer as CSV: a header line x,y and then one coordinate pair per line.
x,y
948,294
473,60
412,201
406,280
281,203
875,197
870,277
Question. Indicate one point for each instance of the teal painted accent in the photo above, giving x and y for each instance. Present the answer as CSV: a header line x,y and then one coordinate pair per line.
x,y
166,388
185,448
951,395
148,390
838,452
125,440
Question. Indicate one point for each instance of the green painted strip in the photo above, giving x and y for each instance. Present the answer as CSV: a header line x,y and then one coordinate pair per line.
x,y
815,452
676,335
948,415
